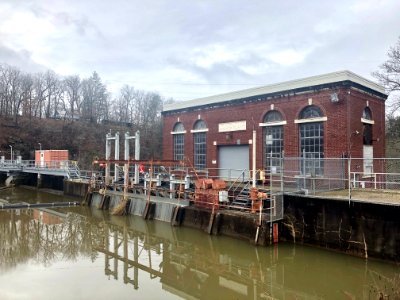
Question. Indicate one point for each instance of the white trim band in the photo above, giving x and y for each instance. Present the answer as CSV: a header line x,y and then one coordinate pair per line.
x,y
277,123
367,121
178,132
199,130
311,120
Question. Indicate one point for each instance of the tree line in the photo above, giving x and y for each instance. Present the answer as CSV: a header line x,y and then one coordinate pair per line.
x,y
47,95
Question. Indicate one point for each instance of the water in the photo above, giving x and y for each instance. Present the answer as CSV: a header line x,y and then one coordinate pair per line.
x,y
83,253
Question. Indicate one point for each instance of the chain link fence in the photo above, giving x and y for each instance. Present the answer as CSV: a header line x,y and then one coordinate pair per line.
x,y
376,174
318,175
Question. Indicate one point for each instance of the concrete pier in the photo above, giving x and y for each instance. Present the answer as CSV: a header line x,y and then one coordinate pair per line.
x,y
361,228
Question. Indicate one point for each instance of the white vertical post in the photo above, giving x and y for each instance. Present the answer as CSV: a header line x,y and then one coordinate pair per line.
x,y
126,157
116,157
11,155
108,154
126,146
171,186
349,176
137,155
282,170
254,159
304,168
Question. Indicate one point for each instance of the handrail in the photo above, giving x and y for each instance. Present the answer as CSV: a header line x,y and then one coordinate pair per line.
x,y
67,167
242,174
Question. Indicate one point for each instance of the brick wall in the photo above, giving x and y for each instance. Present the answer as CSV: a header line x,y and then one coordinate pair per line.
x,y
343,119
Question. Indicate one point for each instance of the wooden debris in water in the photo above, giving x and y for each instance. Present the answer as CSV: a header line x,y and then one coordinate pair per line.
x,y
6,187
119,210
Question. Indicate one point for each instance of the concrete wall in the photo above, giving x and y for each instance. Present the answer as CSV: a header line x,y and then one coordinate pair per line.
x,y
240,226
76,189
362,229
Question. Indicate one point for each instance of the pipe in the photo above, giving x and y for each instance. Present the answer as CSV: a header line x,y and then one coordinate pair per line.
x,y
108,154
137,155
116,156
37,205
254,159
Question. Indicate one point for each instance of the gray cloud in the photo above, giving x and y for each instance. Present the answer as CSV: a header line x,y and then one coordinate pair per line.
x,y
177,49
20,59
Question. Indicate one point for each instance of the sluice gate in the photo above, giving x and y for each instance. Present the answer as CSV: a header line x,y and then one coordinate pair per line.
x,y
175,192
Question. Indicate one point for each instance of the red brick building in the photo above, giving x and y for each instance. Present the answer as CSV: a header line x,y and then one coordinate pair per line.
x,y
327,116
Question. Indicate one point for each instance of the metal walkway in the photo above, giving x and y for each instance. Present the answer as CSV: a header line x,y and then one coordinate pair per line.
x,y
64,168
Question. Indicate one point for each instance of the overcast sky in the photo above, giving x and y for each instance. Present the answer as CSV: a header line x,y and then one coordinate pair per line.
x,y
188,49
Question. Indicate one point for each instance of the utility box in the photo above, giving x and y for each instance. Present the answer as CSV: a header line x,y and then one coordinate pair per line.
x,y
223,196
51,158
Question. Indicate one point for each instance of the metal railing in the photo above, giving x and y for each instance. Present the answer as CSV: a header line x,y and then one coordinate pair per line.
x,y
67,168
332,174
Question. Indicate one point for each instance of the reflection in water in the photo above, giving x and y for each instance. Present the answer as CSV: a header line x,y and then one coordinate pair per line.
x,y
186,263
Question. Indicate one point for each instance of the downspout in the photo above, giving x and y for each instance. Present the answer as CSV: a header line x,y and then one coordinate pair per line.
x,y
254,158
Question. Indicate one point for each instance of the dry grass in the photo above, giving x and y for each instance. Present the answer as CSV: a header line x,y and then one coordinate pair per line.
x,y
369,195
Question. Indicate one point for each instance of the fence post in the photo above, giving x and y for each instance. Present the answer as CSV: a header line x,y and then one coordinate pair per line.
x,y
304,168
282,162
270,174
349,176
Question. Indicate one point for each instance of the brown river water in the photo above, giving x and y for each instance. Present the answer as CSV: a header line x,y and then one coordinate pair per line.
x,y
84,253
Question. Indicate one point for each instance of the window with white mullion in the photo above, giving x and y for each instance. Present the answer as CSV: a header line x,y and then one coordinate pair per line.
x,y
273,148
311,142
179,146
200,150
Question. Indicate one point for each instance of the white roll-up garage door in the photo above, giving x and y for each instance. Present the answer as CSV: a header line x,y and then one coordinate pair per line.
x,y
233,160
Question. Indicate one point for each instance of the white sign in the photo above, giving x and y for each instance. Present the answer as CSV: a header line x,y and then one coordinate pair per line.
x,y
232,126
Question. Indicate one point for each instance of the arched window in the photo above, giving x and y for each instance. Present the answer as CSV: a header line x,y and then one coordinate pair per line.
x,y
311,136
178,128
311,111
200,144
367,126
179,141
273,141
367,114
200,124
368,151
273,116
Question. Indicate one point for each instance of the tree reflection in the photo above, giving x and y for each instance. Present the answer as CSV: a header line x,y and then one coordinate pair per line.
x,y
27,234
189,265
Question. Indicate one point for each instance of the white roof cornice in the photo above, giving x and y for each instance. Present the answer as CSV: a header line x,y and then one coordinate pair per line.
x,y
279,87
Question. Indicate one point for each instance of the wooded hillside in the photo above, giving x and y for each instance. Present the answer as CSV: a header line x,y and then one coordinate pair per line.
x,y
74,114
84,140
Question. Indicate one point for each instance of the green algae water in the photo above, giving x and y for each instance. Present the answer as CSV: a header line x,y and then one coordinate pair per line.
x,y
84,253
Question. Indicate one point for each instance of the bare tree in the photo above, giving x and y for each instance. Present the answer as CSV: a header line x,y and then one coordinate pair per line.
x,y
125,104
95,99
10,79
12,91
52,85
28,91
389,75
72,86
23,95
40,94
